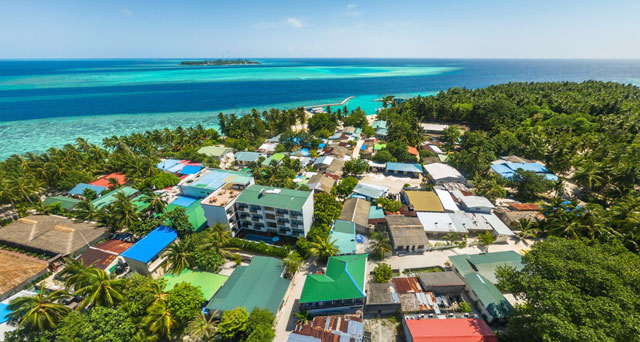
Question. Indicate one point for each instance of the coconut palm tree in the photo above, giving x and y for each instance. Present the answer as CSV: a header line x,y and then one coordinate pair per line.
x,y
85,210
525,228
178,255
113,183
323,247
124,209
75,273
160,320
99,289
201,328
156,289
156,202
216,237
42,311
380,245
303,317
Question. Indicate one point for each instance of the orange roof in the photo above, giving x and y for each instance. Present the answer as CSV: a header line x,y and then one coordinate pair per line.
x,y
450,330
524,206
115,246
104,180
413,150
406,284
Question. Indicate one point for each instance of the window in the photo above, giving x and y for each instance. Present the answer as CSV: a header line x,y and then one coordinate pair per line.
x,y
270,216
271,225
268,208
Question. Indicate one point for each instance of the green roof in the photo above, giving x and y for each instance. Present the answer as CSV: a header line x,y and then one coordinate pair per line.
x,y
276,156
344,235
140,202
489,295
214,151
379,124
344,279
258,285
209,283
376,212
486,264
274,197
110,197
194,212
66,202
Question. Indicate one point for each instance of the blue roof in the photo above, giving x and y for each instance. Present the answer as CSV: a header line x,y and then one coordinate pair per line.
x,y
534,167
322,145
190,170
167,164
508,170
405,167
376,212
79,189
550,176
4,313
184,201
152,244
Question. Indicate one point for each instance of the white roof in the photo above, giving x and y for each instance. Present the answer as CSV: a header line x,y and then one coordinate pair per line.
x,y
374,164
476,202
433,127
442,171
438,222
447,201
470,221
326,160
498,226
268,147
436,149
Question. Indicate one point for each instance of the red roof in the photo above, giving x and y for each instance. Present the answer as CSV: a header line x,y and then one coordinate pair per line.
x,y
104,180
450,330
115,246
524,206
413,150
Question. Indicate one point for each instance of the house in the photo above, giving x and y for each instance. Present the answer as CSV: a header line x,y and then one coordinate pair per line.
x,y
245,158
53,235
442,173
412,298
510,217
476,204
433,128
259,285
145,256
275,210
321,182
382,298
413,151
323,162
17,271
370,192
377,218
435,149
105,255
406,234
268,147
111,197
67,203
80,188
448,203
277,157
218,152
448,283
336,167
329,328
209,283
342,288
220,188
379,124
478,272
343,234
357,210
508,169
440,224
422,201
404,169
120,178
453,330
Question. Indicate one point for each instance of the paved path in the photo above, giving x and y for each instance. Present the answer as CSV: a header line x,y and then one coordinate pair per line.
x,y
286,319
356,150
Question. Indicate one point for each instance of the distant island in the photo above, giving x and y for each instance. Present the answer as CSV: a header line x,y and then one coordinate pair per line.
x,y
220,62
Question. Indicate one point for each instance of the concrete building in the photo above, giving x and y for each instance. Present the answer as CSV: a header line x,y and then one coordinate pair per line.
x,y
421,201
404,169
441,173
406,234
145,256
275,210
382,299
454,330
476,204
245,158
357,210
448,283
217,152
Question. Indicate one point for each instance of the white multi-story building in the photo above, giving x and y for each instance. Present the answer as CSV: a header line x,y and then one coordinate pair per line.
x,y
274,210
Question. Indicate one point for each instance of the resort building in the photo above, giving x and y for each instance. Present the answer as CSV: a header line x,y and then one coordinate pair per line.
x,y
105,255
442,173
329,328
422,201
17,271
208,181
454,330
208,282
145,256
220,188
53,235
406,234
404,169
370,192
274,210
245,158
478,272
341,289
357,210
343,233
217,152
259,285
476,204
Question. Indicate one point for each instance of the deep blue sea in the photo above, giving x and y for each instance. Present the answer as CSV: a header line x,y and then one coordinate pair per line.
x,y
47,103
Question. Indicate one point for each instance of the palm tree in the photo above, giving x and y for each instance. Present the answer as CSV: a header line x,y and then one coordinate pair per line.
x,y
293,263
323,247
113,183
124,209
100,289
201,328
156,202
525,228
160,320
303,317
156,289
178,255
380,245
85,210
75,273
216,237
485,240
41,312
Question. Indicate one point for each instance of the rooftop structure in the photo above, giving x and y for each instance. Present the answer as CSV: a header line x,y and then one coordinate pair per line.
x,y
66,203
209,283
379,124
524,206
267,147
210,180
194,211
329,328
407,236
52,234
379,146
110,197
259,285
450,330
274,157
443,173
105,253
404,168
356,210
79,189
370,192
412,150
441,282
17,270
217,152
321,183
448,204
422,201
433,128
435,149
151,245
243,157
508,170
275,197
476,204
344,279
183,167
439,223
104,180
336,167
344,235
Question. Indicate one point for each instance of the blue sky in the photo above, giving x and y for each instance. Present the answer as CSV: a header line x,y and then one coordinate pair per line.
x,y
418,28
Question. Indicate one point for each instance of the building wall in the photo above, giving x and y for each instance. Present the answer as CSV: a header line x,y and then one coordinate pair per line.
x,y
194,191
218,214
138,266
307,214
382,309
245,216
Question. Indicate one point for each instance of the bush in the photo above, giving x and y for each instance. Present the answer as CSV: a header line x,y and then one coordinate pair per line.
x,y
465,307
259,247
161,180
383,273
302,246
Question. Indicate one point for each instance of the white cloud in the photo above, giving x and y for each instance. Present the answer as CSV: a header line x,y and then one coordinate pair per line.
x,y
127,12
352,10
351,6
295,22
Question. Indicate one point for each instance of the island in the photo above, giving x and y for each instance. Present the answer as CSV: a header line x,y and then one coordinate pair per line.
x,y
221,62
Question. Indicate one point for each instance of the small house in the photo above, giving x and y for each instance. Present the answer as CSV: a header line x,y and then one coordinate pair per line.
x,y
145,256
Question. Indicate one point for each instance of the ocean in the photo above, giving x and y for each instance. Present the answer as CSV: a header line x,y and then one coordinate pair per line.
x,y
46,103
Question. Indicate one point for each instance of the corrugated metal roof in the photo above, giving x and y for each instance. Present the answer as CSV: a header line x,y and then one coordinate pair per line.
x,y
447,201
439,171
404,167
152,244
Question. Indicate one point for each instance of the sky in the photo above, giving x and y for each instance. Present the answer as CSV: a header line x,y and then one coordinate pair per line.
x,y
302,28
